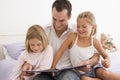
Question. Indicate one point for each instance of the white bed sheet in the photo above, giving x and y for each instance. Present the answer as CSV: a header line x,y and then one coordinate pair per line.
x,y
115,61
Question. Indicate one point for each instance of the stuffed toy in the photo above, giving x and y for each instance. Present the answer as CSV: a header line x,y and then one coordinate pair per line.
x,y
107,42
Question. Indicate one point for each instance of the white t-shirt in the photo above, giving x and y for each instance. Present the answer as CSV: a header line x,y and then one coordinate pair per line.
x,y
56,42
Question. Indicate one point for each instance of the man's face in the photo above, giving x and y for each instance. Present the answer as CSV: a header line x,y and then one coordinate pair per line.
x,y
60,19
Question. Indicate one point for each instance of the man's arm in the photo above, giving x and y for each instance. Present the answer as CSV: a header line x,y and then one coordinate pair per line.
x,y
94,59
90,62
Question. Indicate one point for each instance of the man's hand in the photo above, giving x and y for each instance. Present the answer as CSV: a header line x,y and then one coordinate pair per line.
x,y
87,68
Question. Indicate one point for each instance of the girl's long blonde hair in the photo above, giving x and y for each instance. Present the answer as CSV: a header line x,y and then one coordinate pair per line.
x,y
36,31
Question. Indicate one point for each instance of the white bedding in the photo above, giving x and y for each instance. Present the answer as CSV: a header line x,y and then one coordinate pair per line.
x,y
115,62
6,65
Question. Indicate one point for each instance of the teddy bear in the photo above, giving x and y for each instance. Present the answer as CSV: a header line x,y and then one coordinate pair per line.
x,y
107,42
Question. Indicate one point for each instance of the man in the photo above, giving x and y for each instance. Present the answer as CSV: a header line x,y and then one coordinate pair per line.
x,y
57,32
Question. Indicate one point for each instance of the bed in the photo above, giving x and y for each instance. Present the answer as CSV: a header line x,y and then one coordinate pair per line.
x,y
12,46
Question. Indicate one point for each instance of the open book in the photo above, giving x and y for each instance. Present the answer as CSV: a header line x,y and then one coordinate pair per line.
x,y
54,70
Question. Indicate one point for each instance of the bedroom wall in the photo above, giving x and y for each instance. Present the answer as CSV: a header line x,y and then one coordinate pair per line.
x,y
17,15
8,39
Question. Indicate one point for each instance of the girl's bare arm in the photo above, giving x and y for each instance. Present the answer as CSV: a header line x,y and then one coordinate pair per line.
x,y
66,44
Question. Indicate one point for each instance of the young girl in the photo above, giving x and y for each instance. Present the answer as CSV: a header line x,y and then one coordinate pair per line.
x,y
83,45
38,53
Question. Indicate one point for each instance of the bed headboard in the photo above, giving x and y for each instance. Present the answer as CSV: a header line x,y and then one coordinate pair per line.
x,y
4,39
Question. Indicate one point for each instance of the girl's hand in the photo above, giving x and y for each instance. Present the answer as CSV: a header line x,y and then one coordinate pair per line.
x,y
26,66
106,63
53,73
21,77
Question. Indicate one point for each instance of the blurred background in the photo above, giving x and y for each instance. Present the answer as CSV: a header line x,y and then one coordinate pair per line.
x,y
17,15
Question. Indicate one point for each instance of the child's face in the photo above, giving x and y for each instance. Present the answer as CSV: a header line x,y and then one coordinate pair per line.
x,y
36,45
83,28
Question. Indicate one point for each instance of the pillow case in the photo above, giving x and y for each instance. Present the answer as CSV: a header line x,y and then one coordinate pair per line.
x,y
115,65
2,56
6,67
7,56
15,49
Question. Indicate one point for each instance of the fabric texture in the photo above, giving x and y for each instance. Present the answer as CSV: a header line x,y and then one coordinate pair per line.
x,y
56,42
6,67
67,75
43,76
79,54
38,60
15,49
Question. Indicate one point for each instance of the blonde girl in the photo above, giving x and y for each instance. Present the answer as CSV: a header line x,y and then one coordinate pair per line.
x,y
83,45
38,53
